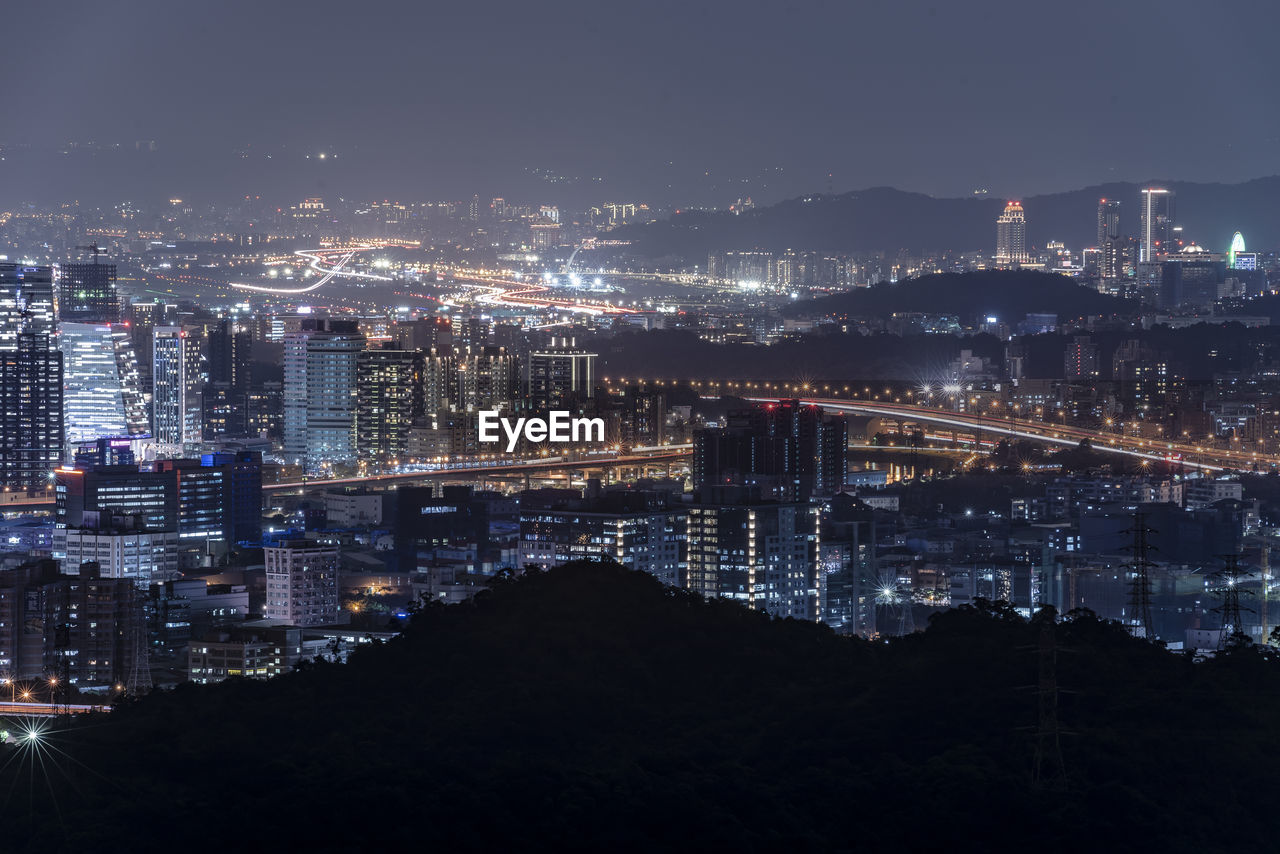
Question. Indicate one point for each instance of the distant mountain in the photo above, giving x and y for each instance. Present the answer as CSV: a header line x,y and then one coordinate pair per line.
x,y
1007,294
882,219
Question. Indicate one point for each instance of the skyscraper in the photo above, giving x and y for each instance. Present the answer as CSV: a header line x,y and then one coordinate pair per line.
x,y
484,378
558,373
87,292
388,398
103,394
225,398
1108,221
177,381
1155,223
31,418
320,391
1011,236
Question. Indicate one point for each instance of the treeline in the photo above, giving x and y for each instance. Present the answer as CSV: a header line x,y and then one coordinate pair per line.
x,y
591,708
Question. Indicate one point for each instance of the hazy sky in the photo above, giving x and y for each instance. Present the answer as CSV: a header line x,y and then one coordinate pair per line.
x,y
438,99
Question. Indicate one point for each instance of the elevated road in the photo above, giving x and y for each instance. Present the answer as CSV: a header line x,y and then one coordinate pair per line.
x,y
477,471
1192,456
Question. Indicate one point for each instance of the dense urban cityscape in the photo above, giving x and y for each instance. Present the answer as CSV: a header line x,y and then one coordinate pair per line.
x,y
554,511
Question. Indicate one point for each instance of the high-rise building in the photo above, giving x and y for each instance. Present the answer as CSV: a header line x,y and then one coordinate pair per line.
x,y
87,293
26,303
1155,224
1080,362
103,396
388,398
32,431
1011,236
225,397
177,382
484,378
320,391
761,553
1108,220
31,419
556,375
785,450
302,583
438,379
1109,243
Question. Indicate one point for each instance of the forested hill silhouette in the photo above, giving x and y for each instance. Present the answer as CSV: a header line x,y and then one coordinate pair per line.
x,y
590,708
883,219
1009,295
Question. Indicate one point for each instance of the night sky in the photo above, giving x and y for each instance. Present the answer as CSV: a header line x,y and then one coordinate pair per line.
x,y
668,102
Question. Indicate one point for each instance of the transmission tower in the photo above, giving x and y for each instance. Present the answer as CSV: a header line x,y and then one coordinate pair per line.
x,y
1050,770
1228,581
1140,588
139,681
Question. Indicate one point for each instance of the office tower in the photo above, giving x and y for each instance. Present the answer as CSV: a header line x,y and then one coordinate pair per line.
x,y
388,398
26,303
1011,236
177,416
103,396
1109,244
1108,220
319,416
87,293
31,419
484,378
302,583
225,397
1155,223
763,554
32,432
242,501
558,375
1191,282
473,210
438,379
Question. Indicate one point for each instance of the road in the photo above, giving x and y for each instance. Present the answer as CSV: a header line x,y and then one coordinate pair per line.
x,y
1191,456
45,710
480,471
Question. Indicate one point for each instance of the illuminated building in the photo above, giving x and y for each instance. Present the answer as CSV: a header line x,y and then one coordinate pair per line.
x,y
437,379
1155,224
302,583
633,528
87,293
1011,236
31,379
388,398
484,378
320,390
1110,246
177,417
760,553
557,374
103,395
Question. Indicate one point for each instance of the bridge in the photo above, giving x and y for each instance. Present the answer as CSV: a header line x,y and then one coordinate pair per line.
x,y
495,470
50,710
1199,457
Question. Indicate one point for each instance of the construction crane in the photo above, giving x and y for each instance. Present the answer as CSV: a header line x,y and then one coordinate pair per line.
x,y
95,249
